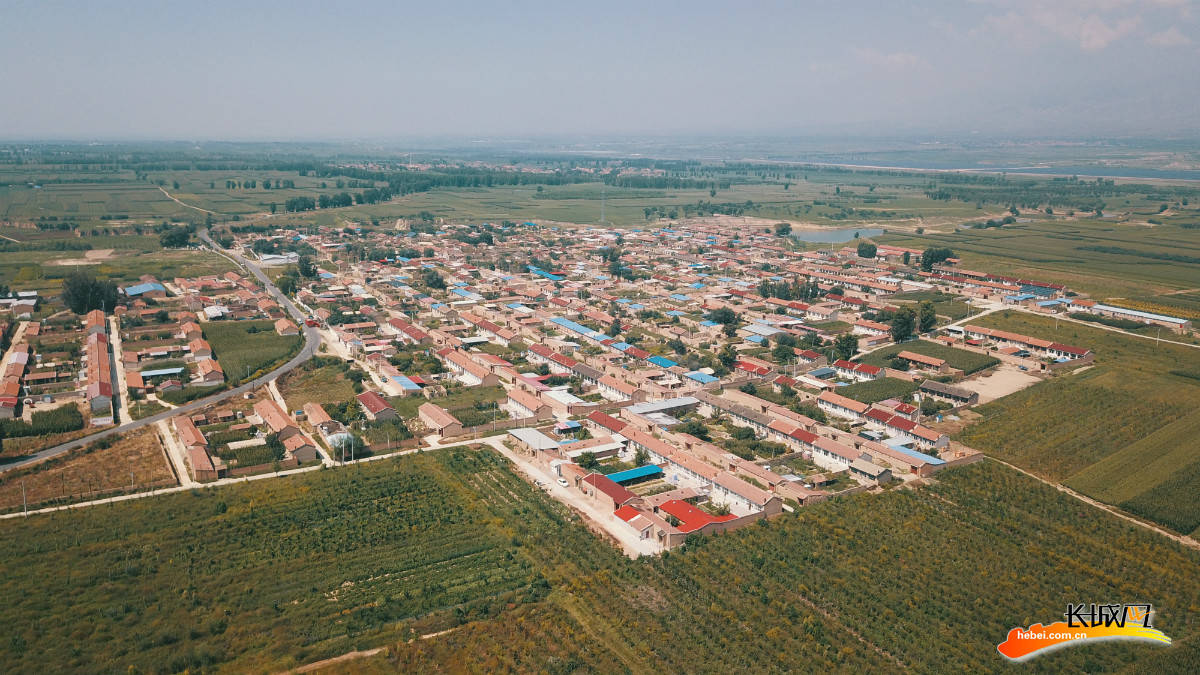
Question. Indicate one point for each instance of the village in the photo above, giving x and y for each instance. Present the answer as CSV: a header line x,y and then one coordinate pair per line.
x,y
667,383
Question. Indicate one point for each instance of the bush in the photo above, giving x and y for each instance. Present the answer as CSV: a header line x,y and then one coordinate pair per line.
x,y
44,422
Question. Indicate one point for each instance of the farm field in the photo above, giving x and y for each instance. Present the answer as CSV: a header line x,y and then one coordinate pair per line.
x,y
243,348
1063,251
90,474
968,362
375,554
1122,431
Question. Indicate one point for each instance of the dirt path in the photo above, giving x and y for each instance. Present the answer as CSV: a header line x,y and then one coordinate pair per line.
x,y
176,452
1182,539
183,204
350,656
114,330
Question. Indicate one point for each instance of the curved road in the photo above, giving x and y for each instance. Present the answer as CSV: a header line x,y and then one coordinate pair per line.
x,y
311,340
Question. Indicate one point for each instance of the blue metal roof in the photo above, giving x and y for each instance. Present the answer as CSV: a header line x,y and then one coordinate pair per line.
x,y
543,273
143,288
680,297
756,339
633,474
702,378
405,383
928,459
709,323
662,361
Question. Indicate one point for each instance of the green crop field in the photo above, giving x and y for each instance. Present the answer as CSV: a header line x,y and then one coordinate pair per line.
x,y
244,348
968,362
1123,431
874,391
269,575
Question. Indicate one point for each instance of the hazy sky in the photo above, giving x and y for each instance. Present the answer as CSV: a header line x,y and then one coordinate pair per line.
x,y
296,70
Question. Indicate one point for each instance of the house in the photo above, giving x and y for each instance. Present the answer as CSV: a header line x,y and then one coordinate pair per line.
x,y
841,406
604,490
376,407
526,405
200,349
190,330
275,419
189,435
286,327
438,419
614,389
330,429
859,372
924,362
299,447
210,371
955,395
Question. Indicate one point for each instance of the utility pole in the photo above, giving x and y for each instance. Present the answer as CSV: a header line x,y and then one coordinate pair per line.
x,y
24,503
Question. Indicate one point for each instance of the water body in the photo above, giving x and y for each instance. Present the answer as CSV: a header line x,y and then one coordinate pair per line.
x,y
835,236
1089,171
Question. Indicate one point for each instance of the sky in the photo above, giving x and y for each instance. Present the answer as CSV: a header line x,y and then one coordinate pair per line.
x,y
265,70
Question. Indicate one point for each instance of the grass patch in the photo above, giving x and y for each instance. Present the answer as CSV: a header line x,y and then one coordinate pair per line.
x,y
247,349
874,391
968,362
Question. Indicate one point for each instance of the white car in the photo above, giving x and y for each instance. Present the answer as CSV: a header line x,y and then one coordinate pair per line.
x,y
563,482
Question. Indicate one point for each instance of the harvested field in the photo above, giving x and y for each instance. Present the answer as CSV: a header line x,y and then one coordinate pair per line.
x,y
90,473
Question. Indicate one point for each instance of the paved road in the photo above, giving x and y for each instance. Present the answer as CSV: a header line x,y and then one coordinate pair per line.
x,y
311,341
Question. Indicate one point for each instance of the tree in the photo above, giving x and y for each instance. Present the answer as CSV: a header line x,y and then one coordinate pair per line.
x,y
933,256
926,317
176,237
867,250
641,457
83,292
287,284
845,346
727,356
783,354
694,428
723,315
275,446
783,229
615,328
907,257
588,461
676,345
432,279
903,324
305,267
